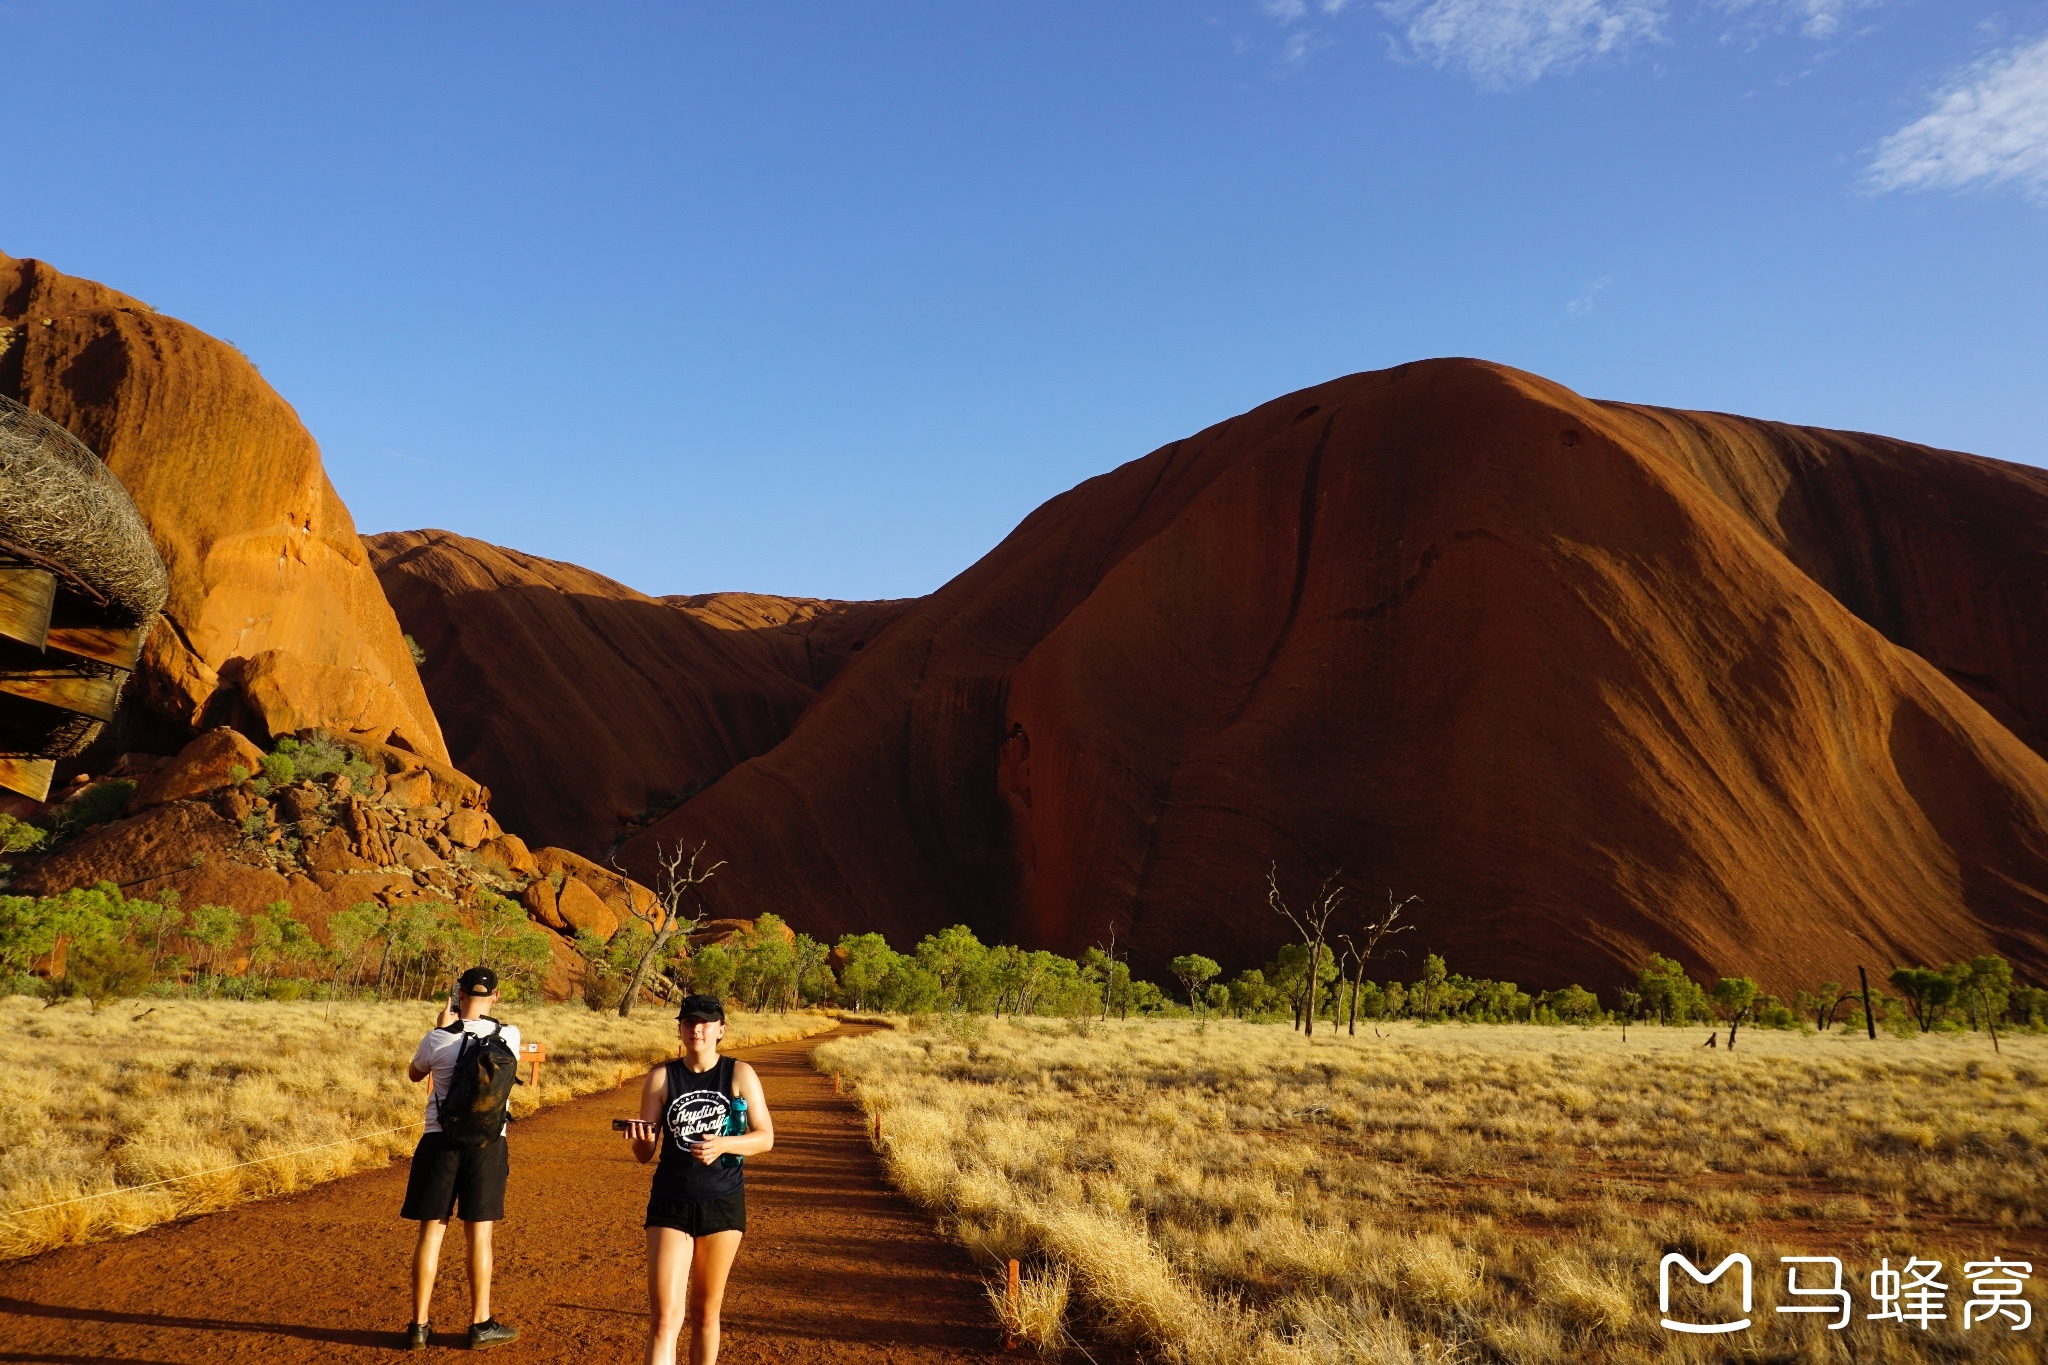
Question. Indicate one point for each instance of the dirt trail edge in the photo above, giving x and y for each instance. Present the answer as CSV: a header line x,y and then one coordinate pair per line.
x,y
836,1266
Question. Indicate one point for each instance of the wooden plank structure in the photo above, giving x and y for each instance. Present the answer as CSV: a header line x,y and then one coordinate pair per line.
x,y
80,588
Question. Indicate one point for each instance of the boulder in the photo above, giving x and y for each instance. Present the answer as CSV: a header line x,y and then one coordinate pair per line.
x,y
333,851
218,758
464,828
539,899
289,692
723,932
415,788
164,840
628,899
581,908
509,852
564,980
298,802
411,851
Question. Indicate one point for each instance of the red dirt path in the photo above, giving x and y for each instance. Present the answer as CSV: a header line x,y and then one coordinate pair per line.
x,y
835,1268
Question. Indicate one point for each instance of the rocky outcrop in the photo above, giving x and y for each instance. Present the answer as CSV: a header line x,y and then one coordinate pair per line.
x,y
585,705
213,828
275,621
219,758
1594,680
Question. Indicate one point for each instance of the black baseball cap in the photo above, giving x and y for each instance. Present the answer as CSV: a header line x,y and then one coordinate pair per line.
x,y
701,1007
478,981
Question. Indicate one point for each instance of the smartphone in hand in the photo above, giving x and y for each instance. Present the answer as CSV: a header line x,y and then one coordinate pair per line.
x,y
621,1125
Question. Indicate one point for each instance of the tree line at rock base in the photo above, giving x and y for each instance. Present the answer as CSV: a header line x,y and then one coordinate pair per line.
x,y
98,944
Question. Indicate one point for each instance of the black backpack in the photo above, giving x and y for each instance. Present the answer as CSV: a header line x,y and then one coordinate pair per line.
x,y
473,1110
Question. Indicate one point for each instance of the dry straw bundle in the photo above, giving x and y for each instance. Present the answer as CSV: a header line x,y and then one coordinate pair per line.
x,y
62,509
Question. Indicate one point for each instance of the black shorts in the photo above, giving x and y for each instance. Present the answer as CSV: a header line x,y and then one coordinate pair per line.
x,y
699,1217
446,1177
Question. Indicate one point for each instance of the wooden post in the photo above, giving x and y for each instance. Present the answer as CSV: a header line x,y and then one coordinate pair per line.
x,y
1010,1341
536,1054
835,1083
878,1130
1869,1019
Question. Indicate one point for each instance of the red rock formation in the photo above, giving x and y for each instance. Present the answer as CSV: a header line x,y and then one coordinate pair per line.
x,y
1592,679
275,621
583,703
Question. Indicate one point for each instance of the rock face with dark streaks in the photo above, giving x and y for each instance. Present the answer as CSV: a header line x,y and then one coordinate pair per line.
x,y
1592,679
583,704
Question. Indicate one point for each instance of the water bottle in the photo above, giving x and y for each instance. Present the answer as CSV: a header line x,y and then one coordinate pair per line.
x,y
735,1124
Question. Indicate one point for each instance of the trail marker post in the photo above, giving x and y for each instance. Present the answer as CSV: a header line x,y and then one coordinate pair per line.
x,y
1010,1341
535,1053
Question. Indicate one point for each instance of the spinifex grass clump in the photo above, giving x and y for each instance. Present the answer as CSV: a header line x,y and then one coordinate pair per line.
x,y
157,1088
1236,1193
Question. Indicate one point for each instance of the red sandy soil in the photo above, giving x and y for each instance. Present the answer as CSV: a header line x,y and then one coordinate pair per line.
x,y
835,1266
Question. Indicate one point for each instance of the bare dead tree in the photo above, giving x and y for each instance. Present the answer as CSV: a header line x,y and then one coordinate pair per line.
x,y
1313,924
678,884
1350,962
1375,933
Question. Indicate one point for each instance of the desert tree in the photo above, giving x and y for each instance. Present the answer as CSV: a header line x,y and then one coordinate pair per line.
x,y
1312,922
1825,1003
1627,1000
1374,932
1733,996
678,882
1194,971
1928,991
1985,986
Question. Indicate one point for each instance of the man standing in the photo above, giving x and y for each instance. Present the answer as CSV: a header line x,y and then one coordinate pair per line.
x,y
449,1180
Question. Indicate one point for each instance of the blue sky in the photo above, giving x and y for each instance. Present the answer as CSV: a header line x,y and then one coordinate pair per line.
x,y
824,298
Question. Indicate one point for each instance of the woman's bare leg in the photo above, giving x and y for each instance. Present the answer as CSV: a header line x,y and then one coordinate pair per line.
x,y
668,1278
715,1255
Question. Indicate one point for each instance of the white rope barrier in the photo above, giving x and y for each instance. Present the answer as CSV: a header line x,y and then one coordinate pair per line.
x,y
218,1170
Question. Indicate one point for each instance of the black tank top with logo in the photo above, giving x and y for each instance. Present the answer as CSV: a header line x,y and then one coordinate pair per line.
x,y
699,1105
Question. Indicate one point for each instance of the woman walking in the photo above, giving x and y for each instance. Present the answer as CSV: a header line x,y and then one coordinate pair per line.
x,y
704,1113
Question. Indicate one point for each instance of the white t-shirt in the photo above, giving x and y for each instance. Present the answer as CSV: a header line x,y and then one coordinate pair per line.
x,y
437,1053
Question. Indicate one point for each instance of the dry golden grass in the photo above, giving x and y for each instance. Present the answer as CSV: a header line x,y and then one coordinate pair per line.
x,y
141,1092
1463,1193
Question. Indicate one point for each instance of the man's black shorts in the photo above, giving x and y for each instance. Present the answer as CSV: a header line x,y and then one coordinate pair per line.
x,y
445,1178
699,1217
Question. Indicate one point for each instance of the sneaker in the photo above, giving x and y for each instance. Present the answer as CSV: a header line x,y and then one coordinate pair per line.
x,y
418,1336
490,1332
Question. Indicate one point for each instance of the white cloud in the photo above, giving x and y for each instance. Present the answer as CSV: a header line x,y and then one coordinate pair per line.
x,y
1502,44
1989,127
1817,19
1589,296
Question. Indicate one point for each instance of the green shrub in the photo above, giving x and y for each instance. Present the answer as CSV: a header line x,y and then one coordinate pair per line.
x,y
97,804
279,769
107,970
19,836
